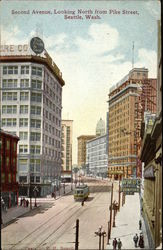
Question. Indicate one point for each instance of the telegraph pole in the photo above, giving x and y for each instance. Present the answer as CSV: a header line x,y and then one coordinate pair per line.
x,y
119,203
110,222
77,235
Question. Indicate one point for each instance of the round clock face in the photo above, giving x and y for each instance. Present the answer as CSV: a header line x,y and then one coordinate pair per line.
x,y
37,45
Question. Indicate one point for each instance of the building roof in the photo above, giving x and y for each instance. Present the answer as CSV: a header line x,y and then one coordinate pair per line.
x,y
10,134
47,61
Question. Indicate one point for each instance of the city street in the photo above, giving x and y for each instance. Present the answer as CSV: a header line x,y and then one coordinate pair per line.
x,y
53,224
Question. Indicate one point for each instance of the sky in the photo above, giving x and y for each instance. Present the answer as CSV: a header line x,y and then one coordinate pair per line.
x,y
92,54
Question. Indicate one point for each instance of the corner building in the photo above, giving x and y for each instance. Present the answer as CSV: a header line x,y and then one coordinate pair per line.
x,y
128,100
31,103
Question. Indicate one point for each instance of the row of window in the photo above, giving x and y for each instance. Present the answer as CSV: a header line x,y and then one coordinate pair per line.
x,y
34,149
33,179
14,70
24,96
12,109
24,83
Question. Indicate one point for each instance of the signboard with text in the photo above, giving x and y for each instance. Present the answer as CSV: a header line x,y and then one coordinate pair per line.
x,y
130,186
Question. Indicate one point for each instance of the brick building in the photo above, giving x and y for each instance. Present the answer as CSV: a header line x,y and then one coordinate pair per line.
x,y
8,163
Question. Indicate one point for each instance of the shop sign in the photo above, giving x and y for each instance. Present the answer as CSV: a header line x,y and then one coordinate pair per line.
x,y
37,45
130,186
149,172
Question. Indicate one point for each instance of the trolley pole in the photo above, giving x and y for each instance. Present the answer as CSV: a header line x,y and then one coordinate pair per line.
x,y
110,222
119,203
77,235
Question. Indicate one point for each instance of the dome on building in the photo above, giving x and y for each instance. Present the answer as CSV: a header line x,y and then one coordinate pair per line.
x,y
100,128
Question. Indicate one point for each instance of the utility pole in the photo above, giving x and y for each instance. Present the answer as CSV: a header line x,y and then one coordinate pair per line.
x,y
110,222
77,235
119,201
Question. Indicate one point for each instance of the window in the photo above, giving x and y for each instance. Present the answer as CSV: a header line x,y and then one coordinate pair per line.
x,y
23,135
9,122
23,165
35,123
36,97
35,165
24,96
10,70
9,96
36,71
36,84
23,109
23,122
2,178
24,69
35,149
32,177
35,136
24,83
35,110
23,179
23,149
9,83
9,109
38,179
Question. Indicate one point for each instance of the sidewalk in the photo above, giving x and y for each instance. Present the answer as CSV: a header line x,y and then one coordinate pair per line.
x,y
14,212
127,224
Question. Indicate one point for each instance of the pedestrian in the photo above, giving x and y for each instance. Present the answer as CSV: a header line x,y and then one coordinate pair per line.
x,y
140,224
21,201
114,244
141,241
119,243
82,203
135,239
54,195
27,202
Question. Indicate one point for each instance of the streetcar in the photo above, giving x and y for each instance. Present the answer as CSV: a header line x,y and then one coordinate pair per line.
x,y
81,192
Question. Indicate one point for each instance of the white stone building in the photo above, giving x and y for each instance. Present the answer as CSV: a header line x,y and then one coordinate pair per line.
x,y
31,103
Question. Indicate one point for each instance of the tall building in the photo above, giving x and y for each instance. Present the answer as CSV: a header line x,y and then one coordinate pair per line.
x,y
67,130
31,104
128,100
8,163
82,148
151,156
97,156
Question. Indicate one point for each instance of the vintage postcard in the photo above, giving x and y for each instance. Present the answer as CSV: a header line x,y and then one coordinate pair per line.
x,y
80,124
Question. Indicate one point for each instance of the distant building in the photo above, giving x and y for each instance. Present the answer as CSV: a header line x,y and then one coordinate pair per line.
x,y
66,147
31,105
100,128
128,100
82,148
97,156
8,163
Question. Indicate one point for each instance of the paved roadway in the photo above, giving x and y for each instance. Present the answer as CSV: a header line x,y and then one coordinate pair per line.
x,y
53,224
54,227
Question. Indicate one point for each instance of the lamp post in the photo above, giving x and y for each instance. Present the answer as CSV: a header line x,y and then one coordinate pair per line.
x,y
110,222
115,207
101,233
35,190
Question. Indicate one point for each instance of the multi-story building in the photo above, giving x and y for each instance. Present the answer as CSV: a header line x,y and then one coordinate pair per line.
x,y
31,104
96,152
97,156
151,156
8,163
66,144
128,100
82,149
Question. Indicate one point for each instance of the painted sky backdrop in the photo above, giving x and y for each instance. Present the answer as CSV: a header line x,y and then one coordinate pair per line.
x,y
93,55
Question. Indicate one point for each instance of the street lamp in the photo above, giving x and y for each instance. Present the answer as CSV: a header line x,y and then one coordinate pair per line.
x,y
35,190
101,233
115,208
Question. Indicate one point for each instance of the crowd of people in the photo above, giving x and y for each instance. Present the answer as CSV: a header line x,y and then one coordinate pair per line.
x,y
138,240
24,202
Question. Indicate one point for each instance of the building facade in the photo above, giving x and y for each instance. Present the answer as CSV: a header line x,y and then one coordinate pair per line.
x,y
97,156
66,144
151,156
128,100
82,149
31,104
8,163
